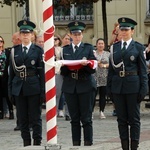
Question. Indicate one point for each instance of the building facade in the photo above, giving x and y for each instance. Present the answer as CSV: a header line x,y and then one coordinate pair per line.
x,y
138,10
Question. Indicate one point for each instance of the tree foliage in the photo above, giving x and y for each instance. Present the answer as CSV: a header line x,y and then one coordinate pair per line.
x,y
20,3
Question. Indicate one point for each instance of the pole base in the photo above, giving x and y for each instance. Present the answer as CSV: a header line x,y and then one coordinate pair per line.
x,y
53,147
147,105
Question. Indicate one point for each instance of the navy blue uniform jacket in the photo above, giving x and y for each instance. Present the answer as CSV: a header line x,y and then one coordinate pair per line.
x,y
70,84
33,84
134,61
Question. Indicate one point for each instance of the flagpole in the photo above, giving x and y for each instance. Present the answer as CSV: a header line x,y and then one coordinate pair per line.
x,y
49,72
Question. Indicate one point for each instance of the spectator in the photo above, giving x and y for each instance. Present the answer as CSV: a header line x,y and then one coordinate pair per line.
x,y
66,39
4,63
116,36
16,41
59,78
101,74
115,32
147,54
40,41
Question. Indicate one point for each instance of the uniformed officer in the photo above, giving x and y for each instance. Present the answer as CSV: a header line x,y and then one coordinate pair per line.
x,y
78,85
127,83
26,83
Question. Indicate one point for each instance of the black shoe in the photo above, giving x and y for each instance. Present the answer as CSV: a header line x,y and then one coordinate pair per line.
x,y
67,118
114,113
44,106
26,142
1,115
11,115
17,128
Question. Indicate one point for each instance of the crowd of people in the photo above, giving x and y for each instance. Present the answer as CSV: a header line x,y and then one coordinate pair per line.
x,y
121,74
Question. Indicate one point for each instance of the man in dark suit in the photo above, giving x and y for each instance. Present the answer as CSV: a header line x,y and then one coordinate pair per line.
x,y
127,83
79,85
26,83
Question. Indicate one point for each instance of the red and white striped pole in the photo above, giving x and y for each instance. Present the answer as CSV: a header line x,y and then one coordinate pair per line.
x,y
49,72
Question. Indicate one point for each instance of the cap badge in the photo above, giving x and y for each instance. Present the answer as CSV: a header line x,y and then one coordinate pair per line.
x,y
24,23
123,20
76,24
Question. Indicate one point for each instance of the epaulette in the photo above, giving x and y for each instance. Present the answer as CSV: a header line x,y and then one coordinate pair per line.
x,y
138,43
66,46
140,46
15,46
9,48
116,43
88,44
37,46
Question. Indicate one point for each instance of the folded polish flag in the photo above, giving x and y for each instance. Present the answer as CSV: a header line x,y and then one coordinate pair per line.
x,y
74,64
78,63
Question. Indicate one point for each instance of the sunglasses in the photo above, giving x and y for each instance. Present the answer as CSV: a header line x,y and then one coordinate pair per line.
x,y
55,39
1,41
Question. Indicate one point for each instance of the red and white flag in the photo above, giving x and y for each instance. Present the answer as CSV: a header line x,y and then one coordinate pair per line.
x,y
75,64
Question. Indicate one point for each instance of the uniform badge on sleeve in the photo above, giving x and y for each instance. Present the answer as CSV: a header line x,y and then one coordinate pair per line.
x,y
132,58
32,62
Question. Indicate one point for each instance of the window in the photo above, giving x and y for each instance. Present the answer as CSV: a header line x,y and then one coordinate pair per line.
x,y
73,12
148,8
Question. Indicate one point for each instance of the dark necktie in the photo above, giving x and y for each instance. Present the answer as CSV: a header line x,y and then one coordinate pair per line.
x,y
24,52
76,49
124,46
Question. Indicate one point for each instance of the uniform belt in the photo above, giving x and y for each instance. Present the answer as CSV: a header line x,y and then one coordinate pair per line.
x,y
23,74
127,73
78,75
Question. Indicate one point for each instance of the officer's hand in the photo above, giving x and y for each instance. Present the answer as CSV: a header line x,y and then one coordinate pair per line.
x,y
108,93
42,99
12,100
140,98
64,70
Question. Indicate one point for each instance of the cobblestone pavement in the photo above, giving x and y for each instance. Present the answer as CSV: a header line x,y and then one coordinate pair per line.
x,y
105,132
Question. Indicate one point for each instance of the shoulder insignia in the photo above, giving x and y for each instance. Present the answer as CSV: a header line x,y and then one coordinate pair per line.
x,y
66,46
9,48
116,42
37,46
15,46
138,43
139,46
88,44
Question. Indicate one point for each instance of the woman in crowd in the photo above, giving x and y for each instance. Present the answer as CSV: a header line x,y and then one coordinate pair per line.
x,y
59,78
4,62
66,40
147,55
101,74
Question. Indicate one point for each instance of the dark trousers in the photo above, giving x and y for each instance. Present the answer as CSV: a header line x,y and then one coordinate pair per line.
x,y
4,94
149,85
80,109
128,116
102,97
29,112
